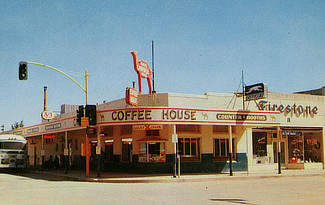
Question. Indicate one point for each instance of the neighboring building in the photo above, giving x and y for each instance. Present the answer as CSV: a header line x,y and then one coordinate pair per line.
x,y
320,91
141,138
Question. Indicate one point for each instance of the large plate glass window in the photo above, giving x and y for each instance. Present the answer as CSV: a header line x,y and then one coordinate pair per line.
x,y
152,152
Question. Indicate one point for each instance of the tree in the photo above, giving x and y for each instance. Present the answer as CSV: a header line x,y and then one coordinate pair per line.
x,y
17,125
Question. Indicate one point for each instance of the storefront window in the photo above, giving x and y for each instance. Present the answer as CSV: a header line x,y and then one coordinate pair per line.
x,y
312,148
263,148
259,144
189,147
221,149
152,152
296,148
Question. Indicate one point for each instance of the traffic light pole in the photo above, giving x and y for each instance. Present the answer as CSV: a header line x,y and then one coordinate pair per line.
x,y
66,75
87,139
82,88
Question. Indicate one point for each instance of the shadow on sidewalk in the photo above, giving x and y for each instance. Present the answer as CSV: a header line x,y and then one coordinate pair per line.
x,y
39,175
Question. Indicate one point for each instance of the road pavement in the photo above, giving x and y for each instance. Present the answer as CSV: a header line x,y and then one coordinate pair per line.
x,y
34,188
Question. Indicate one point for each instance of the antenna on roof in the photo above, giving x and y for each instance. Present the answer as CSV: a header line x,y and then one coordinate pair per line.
x,y
153,66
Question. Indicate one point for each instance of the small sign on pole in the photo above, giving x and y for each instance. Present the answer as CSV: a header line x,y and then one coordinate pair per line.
x,y
48,115
174,138
84,122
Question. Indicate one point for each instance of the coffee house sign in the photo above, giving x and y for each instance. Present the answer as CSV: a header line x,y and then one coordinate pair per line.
x,y
185,116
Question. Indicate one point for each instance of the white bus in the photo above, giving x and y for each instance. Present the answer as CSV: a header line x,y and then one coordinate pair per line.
x,y
12,151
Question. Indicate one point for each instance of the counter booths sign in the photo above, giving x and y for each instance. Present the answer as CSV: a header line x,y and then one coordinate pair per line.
x,y
186,116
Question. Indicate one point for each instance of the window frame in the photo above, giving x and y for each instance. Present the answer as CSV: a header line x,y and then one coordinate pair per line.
x,y
220,156
188,155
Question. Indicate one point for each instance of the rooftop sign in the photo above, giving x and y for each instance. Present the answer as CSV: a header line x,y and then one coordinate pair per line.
x,y
255,92
143,70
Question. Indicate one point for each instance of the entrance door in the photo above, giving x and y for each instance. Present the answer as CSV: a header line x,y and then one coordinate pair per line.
x,y
283,152
108,150
296,151
126,151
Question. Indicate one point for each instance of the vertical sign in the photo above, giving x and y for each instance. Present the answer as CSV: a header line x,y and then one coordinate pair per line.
x,y
131,97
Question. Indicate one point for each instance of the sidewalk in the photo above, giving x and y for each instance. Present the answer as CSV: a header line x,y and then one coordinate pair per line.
x,y
112,177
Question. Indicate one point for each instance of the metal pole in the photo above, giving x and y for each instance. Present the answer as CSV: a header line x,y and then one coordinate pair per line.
x,y
45,98
43,153
59,71
175,148
87,139
243,89
98,152
230,149
86,89
179,165
175,163
153,66
66,153
279,150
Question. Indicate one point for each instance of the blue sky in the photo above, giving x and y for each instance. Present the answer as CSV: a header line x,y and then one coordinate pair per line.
x,y
200,46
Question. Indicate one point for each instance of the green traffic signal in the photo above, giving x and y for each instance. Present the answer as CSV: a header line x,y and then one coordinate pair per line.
x,y
91,114
23,70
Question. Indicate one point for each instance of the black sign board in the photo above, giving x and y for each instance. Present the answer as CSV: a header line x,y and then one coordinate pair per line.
x,y
255,92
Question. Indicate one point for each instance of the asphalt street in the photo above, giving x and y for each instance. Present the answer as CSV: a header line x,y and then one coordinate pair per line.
x,y
30,189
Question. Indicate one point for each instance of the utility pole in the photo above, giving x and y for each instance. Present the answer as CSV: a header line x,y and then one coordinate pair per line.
x,y
230,149
279,149
243,84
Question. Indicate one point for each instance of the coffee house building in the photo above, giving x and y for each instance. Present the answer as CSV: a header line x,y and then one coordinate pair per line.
x,y
205,129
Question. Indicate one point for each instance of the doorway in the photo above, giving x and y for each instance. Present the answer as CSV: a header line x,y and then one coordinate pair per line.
x,y
283,152
127,150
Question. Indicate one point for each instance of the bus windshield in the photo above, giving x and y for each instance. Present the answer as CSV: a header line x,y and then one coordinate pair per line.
x,y
12,145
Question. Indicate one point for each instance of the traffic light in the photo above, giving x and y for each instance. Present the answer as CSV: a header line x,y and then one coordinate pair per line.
x,y
23,70
80,114
91,114
91,130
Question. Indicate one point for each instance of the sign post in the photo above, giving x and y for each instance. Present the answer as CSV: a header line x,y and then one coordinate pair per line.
x,y
230,149
279,149
175,140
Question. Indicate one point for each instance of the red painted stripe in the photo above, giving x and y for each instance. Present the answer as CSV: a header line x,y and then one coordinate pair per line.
x,y
191,109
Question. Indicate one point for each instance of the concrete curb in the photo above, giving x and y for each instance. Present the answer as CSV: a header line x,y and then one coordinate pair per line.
x,y
169,179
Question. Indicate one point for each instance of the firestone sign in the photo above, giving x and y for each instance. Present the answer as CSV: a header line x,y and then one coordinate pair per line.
x,y
296,109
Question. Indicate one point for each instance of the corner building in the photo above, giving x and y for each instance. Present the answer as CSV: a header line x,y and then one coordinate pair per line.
x,y
141,139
